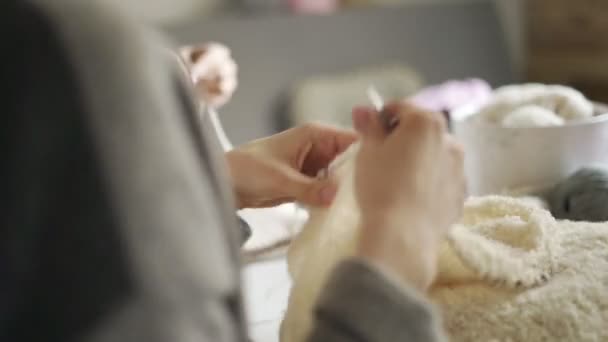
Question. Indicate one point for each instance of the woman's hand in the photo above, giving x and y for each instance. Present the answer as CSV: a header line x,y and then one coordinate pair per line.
x,y
410,188
283,167
212,70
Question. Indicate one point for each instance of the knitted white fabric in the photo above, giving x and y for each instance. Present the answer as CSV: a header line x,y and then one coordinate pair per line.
x,y
507,272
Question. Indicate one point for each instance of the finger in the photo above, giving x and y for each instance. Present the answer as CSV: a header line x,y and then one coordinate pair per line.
x,y
407,109
441,118
307,190
415,124
276,201
456,151
360,117
456,166
367,122
343,139
322,144
334,139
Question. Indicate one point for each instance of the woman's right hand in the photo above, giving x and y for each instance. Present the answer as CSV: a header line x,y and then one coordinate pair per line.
x,y
410,187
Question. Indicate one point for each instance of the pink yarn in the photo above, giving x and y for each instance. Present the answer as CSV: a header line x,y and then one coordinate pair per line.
x,y
313,6
453,94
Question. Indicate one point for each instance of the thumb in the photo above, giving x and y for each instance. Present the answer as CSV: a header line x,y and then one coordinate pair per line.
x,y
308,190
366,122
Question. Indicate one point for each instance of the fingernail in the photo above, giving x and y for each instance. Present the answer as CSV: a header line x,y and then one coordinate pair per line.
x,y
328,193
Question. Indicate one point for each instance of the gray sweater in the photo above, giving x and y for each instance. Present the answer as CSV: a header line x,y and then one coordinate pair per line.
x,y
118,224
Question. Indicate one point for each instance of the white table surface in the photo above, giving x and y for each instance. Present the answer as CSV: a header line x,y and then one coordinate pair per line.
x,y
266,288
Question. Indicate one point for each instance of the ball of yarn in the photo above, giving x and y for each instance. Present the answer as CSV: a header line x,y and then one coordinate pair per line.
x,y
532,116
565,102
581,197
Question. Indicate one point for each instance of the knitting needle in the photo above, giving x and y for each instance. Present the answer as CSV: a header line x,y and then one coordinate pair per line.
x,y
389,121
375,98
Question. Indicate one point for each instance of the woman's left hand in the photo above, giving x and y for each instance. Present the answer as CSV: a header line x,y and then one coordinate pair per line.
x,y
283,167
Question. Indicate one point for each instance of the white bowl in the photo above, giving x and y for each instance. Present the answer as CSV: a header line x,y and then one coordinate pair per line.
x,y
499,159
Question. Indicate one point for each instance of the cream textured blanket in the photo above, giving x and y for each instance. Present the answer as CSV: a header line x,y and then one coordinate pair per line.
x,y
507,272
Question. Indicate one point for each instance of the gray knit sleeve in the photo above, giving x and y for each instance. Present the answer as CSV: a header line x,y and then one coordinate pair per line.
x,y
360,303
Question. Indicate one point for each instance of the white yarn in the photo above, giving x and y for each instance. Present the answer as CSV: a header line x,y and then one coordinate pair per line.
x,y
563,102
532,116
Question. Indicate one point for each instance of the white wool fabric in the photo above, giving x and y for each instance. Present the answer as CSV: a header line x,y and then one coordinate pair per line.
x,y
508,271
571,305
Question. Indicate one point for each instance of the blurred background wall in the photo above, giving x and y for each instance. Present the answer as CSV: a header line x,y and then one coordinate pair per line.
x,y
163,12
439,39
567,42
